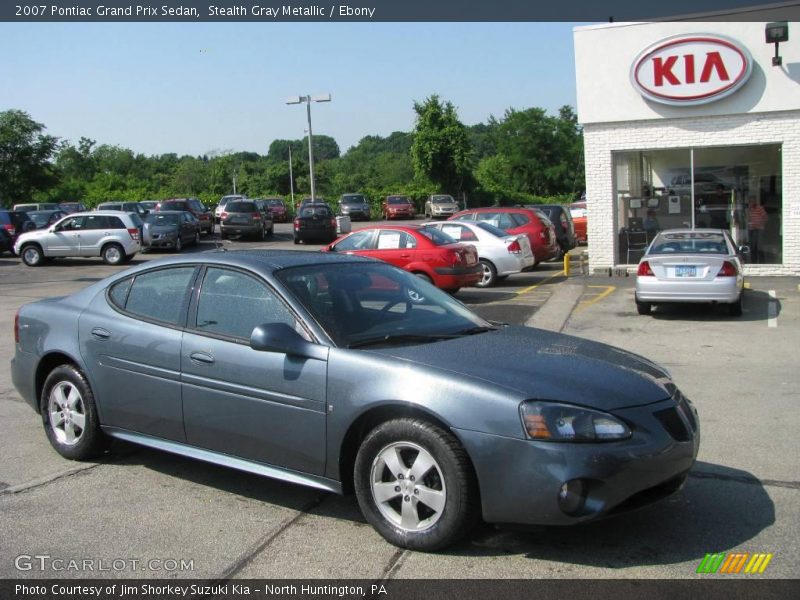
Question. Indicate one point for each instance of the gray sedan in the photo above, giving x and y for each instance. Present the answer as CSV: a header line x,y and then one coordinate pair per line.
x,y
345,373
691,265
170,229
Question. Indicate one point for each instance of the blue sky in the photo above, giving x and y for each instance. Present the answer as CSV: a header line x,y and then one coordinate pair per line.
x,y
192,88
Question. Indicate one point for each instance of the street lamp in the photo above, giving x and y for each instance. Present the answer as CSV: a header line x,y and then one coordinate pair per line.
x,y
307,100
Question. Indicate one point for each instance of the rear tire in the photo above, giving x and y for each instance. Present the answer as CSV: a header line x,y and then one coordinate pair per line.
x,y
69,414
735,309
296,241
113,254
644,308
178,244
488,275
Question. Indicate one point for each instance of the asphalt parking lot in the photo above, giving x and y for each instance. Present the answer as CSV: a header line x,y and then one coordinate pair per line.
x,y
139,506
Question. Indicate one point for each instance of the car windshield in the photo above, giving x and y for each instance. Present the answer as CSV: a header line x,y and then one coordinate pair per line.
x,y
442,200
437,236
397,200
372,304
690,242
163,219
354,199
241,207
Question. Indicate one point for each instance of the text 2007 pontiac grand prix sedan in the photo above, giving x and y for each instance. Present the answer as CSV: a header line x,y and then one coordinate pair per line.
x,y
343,373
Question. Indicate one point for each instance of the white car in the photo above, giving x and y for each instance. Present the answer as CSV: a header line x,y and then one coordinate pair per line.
x,y
110,234
501,254
440,206
691,265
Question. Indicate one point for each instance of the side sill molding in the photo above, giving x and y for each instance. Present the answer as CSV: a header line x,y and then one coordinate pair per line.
x,y
225,460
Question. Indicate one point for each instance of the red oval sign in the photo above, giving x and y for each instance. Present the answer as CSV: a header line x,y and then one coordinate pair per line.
x,y
691,69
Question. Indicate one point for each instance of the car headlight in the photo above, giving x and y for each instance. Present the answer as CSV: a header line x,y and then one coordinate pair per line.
x,y
555,422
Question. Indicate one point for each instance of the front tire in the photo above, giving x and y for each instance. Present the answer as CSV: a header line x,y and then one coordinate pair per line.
x,y
69,414
32,255
415,485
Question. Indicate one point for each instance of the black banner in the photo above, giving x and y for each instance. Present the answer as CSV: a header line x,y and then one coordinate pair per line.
x,y
732,588
370,10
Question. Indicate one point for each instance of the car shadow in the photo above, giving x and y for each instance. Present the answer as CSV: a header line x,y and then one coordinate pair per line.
x,y
718,509
756,306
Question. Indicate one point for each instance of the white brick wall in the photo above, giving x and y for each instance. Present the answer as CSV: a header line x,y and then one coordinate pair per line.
x,y
600,140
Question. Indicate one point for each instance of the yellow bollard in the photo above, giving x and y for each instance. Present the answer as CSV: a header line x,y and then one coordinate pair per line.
x,y
566,264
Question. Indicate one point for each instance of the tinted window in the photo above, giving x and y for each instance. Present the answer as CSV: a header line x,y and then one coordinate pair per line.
x,y
118,294
486,226
233,304
241,207
160,295
353,199
173,206
519,219
196,205
161,219
97,222
436,236
397,200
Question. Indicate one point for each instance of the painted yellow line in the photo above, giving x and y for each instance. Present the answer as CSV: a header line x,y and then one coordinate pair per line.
x,y
747,285
534,286
583,304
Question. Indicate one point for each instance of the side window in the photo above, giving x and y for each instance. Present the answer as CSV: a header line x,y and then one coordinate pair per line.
x,y
73,224
95,222
360,240
389,239
118,294
233,304
516,220
114,223
160,294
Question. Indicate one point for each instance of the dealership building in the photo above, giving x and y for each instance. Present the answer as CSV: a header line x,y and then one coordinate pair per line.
x,y
692,124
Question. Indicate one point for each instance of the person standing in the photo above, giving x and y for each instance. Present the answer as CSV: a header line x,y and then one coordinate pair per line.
x,y
756,223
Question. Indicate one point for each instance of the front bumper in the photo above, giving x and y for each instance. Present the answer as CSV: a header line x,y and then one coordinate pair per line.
x,y
520,479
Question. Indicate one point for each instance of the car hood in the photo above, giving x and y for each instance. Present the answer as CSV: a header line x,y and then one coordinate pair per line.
x,y
32,235
161,228
539,364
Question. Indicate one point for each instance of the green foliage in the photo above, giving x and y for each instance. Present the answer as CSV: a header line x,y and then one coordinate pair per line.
x,y
25,153
525,157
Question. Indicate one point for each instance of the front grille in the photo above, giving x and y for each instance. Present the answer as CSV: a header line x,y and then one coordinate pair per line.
x,y
673,423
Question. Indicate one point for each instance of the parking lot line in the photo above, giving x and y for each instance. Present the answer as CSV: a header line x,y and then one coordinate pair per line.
x,y
543,281
584,304
772,309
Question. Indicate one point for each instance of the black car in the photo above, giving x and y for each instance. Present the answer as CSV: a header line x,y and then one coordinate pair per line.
x,y
562,220
191,205
16,222
6,243
315,222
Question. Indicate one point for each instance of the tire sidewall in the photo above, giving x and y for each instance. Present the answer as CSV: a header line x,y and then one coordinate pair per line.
x,y
91,441
457,511
109,247
36,248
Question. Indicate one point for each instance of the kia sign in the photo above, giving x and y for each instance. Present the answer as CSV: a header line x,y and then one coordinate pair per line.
x,y
691,69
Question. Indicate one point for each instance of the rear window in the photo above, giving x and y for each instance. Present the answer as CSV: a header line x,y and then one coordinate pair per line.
x,y
315,211
491,229
275,202
439,238
689,243
196,204
241,207
163,219
173,205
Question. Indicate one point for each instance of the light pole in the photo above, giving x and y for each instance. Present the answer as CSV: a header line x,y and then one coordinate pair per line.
x,y
307,100
291,176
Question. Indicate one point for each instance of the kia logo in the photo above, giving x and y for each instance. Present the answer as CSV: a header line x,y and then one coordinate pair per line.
x,y
691,69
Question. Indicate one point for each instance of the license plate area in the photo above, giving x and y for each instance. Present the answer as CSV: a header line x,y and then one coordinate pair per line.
x,y
686,271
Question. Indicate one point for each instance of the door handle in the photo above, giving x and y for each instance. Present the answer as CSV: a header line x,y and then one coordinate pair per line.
x,y
202,357
405,256
100,333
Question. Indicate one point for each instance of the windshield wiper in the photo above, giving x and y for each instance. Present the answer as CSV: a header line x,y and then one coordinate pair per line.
x,y
403,337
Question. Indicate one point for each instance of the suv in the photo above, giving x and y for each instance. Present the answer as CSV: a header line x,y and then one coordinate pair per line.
x,y
35,206
222,202
539,230
191,205
128,207
16,222
440,205
354,206
316,221
243,217
112,235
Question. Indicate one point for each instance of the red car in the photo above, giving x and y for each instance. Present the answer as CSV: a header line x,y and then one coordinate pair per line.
x,y
426,252
541,234
394,207
579,218
280,214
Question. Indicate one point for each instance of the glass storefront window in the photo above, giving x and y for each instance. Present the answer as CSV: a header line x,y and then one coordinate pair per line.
x,y
737,188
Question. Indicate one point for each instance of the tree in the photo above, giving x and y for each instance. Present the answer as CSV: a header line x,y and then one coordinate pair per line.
x,y
25,153
441,148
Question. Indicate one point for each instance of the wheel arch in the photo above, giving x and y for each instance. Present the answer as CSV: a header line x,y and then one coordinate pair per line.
x,y
370,419
44,368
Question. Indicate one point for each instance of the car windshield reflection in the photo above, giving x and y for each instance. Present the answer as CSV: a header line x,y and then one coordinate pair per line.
x,y
367,304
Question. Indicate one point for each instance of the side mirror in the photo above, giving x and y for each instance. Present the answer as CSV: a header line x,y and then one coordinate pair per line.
x,y
744,249
279,337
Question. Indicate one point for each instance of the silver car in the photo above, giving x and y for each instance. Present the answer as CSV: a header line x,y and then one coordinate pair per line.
x,y
501,254
112,235
440,206
691,265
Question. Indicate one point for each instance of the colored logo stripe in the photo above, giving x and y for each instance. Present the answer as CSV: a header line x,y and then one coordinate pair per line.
x,y
734,562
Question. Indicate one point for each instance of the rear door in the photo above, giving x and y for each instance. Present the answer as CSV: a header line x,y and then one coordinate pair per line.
x,y
95,232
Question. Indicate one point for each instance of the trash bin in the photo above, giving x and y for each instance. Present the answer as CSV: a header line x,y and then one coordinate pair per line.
x,y
343,224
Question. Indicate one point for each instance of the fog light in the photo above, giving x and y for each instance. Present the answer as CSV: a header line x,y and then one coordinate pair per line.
x,y
571,497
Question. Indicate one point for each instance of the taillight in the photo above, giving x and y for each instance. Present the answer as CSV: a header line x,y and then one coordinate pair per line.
x,y
728,270
256,216
10,228
333,222
645,270
455,257
297,223
134,233
223,215
16,327
514,247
